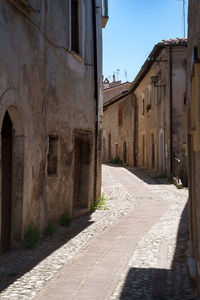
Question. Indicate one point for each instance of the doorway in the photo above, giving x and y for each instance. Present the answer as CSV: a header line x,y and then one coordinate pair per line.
x,y
109,146
143,150
161,153
81,173
124,153
6,189
153,152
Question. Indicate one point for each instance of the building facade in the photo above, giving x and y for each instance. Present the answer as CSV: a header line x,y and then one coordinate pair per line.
x,y
151,133
119,128
160,89
193,136
50,112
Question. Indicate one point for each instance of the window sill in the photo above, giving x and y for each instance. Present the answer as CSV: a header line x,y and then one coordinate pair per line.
x,y
76,55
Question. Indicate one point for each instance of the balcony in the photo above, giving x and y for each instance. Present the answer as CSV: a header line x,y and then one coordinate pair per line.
x,y
104,13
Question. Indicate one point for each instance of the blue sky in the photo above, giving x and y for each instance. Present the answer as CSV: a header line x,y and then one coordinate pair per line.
x,y
133,28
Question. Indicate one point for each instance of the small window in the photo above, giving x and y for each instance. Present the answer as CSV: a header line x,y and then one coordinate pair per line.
x,y
120,116
75,26
143,106
150,93
53,155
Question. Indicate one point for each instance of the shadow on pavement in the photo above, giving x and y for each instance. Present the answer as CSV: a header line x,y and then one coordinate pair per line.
x,y
163,284
14,264
147,176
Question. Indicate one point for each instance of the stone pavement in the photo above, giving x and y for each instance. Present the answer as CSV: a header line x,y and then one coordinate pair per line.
x,y
134,250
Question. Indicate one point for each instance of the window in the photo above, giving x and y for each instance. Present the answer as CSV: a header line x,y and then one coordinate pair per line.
x,y
143,106
52,155
150,93
75,26
120,116
159,89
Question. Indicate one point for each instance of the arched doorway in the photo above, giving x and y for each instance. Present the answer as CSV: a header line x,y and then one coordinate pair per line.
x,y
6,189
124,153
12,174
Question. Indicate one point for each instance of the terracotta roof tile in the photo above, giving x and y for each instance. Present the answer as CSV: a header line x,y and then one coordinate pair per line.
x,y
173,41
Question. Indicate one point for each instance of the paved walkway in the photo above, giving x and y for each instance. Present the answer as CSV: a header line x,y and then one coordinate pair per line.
x,y
135,250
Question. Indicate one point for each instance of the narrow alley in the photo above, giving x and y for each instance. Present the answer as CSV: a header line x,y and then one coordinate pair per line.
x,y
135,249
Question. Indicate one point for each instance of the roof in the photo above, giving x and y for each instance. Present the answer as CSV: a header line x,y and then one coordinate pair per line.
x,y
152,58
146,67
112,86
115,99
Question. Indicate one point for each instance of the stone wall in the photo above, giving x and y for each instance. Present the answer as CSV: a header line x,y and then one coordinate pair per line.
x,y
154,124
192,129
122,136
48,92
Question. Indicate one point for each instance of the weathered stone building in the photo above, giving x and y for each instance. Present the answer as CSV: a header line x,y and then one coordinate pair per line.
x,y
193,135
160,88
152,132
112,89
50,105
119,128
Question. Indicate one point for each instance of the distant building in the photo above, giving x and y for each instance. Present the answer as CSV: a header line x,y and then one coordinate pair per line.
x,y
147,121
50,112
112,89
113,118
119,115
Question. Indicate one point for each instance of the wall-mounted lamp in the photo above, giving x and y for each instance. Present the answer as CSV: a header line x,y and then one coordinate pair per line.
x,y
154,80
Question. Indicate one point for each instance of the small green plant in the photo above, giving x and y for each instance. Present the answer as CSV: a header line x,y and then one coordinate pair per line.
x,y
31,236
116,161
66,219
49,230
100,203
92,207
148,107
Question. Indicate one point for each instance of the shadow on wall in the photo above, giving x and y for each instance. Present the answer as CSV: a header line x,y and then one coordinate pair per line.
x,y
163,284
14,264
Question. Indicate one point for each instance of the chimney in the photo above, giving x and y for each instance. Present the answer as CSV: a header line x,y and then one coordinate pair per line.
x,y
113,77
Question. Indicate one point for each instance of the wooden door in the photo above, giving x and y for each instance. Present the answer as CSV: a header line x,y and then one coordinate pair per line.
x,y
6,183
77,173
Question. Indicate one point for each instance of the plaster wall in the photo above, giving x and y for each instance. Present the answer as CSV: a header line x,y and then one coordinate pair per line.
x,y
193,134
122,133
51,91
156,120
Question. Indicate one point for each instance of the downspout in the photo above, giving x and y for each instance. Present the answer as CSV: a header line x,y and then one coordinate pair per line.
x,y
96,95
171,109
135,132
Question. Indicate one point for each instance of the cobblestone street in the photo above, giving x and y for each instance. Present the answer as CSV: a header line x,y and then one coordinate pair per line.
x,y
134,250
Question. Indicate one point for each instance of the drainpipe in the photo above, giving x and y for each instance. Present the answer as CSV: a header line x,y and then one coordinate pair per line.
x,y
96,95
171,109
135,132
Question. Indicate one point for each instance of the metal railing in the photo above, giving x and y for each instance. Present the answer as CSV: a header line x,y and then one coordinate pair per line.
x,y
176,167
